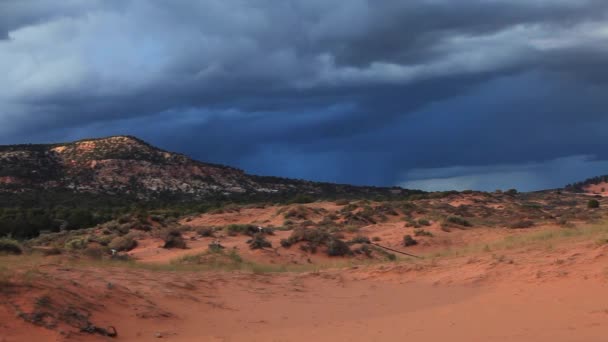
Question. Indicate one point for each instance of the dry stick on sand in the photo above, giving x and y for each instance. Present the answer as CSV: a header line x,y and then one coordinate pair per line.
x,y
394,250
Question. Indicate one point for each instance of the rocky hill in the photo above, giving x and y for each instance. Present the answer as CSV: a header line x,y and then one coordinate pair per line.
x,y
125,165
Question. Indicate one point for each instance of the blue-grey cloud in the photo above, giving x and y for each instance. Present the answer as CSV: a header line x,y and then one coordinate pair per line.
x,y
348,91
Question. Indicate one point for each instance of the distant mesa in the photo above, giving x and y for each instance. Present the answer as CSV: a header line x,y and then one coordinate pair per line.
x,y
127,165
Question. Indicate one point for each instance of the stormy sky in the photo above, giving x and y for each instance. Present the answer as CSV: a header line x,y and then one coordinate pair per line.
x,y
430,94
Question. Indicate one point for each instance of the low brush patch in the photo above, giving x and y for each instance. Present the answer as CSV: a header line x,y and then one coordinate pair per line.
x,y
10,246
316,238
259,242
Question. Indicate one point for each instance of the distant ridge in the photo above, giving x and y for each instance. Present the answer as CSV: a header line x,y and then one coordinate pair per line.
x,y
126,165
581,187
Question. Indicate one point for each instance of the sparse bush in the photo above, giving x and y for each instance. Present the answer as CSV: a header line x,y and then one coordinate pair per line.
x,y
206,231
408,240
157,218
94,252
259,242
314,239
144,227
388,255
339,235
337,247
411,223
376,239
359,239
307,223
349,208
123,243
522,224
51,251
76,243
511,192
10,246
353,229
216,247
459,221
122,229
173,238
244,229
342,202
363,249
124,219
298,213
422,232
593,204
104,240
302,199
424,222
602,241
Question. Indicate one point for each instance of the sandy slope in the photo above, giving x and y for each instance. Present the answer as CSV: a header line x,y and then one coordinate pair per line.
x,y
529,294
546,283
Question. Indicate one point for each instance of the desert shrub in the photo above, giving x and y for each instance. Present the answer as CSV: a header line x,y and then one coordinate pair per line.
x,y
157,218
10,246
51,251
424,222
76,243
337,247
459,221
244,229
363,249
593,204
259,242
386,254
359,239
376,239
268,230
522,224
124,219
302,199
386,209
422,232
342,202
206,231
331,217
602,242
349,208
103,240
411,223
337,234
124,229
94,252
353,229
173,238
408,240
314,238
123,243
307,223
143,227
298,213
511,192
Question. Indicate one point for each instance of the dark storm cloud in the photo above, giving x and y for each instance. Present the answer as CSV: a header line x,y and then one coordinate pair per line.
x,y
349,91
